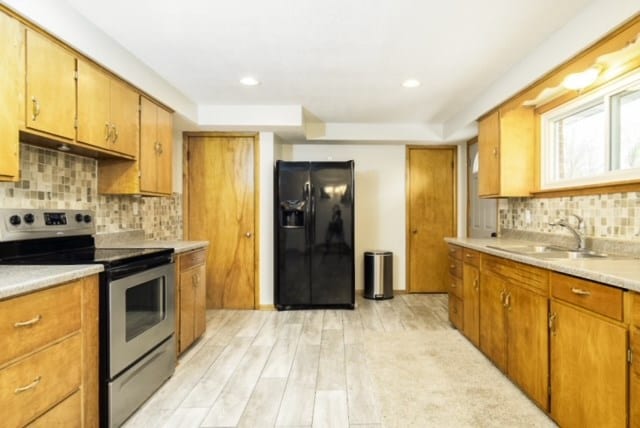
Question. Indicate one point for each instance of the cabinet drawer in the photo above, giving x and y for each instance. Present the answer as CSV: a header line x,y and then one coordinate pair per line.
x,y
66,414
455,312
192,259
529,276
32,385
595,297
455,267
33,320
471,257
455,252
455,286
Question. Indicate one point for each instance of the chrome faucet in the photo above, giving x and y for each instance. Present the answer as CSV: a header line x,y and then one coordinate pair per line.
x,y
577,232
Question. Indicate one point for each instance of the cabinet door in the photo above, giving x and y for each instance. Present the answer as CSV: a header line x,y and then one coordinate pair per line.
x,y
634,375
165,155
124,119
589,369
471,278
200,302
11,89
493,333
51,92
148,146
528,348
489,155
187,308
94,126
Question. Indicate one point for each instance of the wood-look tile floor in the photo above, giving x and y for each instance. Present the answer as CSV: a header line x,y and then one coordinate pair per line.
x,y
293,368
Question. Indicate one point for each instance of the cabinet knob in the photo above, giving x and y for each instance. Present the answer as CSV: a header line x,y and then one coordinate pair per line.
x,y
248,234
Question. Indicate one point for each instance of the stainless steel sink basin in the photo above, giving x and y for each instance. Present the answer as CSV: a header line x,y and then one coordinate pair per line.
x,y
551,252
571,255
528,249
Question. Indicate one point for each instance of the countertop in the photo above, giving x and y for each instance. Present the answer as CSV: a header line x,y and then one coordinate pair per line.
x,y
623,273
178,246
22,279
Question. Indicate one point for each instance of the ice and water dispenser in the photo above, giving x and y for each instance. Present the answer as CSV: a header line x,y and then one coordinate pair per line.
x,y
292,213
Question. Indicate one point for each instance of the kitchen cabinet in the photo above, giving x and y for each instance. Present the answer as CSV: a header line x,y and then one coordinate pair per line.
x,y
49,363
107,112
150,173
192,298
471,292
634,374
513,330
506,140
455,288
50,87
11,90
156,148
588,354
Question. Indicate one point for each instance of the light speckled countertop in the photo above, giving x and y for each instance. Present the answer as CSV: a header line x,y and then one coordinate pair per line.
x,y
20,279
624,273
178,246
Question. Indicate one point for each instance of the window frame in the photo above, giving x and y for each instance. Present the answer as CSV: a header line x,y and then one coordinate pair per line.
x,y
547,144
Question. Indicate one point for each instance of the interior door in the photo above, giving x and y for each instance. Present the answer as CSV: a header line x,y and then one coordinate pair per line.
x,y
221,209
482,212
431,216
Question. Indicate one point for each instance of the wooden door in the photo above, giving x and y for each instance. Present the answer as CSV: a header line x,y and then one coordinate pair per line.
x,y
528,343
124,108
471,280
221,209
11,89
493,332
51,87
588,369
489,155
93,106
431,217
164,135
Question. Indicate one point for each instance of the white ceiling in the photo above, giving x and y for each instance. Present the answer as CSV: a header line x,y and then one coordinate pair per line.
x,y
341,60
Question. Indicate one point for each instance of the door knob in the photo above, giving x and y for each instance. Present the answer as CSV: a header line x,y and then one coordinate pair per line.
x,y
414,231
248,234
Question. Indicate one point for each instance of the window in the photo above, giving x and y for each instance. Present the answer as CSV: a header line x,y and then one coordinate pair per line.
x,y
594,139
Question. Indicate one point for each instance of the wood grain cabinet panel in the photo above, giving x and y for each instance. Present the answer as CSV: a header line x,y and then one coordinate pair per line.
x,y
455,286
471,280
506,153
11,91
493,331
49,367
50,87
589,369
107,112
634,372
192,298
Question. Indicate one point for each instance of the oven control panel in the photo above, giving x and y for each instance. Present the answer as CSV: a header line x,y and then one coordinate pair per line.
x,y
27,223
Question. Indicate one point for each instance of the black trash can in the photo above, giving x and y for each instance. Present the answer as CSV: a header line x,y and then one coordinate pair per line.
x,y
378,274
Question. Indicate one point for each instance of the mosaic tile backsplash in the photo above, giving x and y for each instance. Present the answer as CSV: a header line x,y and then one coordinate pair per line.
x,y
57,180
614,215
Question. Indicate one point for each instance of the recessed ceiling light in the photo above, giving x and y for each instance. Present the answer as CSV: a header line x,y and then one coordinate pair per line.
x,y
411,83
249,81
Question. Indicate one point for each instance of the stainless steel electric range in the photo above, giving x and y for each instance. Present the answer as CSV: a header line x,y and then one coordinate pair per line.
x,y
137,302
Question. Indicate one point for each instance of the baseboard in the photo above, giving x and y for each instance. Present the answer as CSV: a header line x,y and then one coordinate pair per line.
x,y
269,307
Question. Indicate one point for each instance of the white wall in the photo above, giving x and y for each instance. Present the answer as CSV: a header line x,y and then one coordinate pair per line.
x,y
379,197
266,153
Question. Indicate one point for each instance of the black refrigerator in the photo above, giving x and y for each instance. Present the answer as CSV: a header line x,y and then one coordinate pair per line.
x,y
314,235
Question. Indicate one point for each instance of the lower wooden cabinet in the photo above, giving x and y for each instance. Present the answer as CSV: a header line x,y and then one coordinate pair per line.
x,y
634,373
455,287
513,326
471,291
192,298
49,374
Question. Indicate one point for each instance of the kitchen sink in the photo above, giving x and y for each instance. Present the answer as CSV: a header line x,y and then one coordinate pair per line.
x,y
529,249
553,252
571,255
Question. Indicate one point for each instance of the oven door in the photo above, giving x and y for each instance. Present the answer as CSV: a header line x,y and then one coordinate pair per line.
x,y
141,315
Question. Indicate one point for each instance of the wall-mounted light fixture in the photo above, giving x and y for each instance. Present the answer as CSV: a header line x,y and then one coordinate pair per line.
x,y
582,79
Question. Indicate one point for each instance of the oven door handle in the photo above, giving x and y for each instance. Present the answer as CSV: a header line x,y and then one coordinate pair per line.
x,y
136,267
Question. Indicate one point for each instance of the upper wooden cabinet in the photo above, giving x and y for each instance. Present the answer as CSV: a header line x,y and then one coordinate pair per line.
x,y
506,153
151,173
11,91
51,87
107,111
156,148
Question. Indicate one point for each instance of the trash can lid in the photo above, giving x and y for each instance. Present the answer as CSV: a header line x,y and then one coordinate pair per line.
x,y
378,253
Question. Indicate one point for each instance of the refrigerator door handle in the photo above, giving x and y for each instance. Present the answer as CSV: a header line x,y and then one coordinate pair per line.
x,y
312,226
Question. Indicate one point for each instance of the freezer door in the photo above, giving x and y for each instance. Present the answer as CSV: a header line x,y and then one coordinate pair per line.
x,y
332,233
292,225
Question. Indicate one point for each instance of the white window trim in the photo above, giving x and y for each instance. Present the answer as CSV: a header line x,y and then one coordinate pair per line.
x,y
546,133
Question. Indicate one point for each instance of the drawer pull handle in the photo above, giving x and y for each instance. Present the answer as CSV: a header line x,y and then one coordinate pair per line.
x,y
28,323
452,267
581,292
453,285
32,385
469,255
